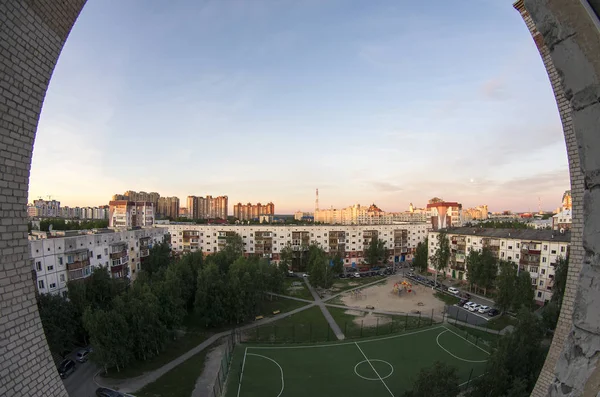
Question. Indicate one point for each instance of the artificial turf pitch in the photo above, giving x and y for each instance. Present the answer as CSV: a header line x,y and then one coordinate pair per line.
x,y
385,366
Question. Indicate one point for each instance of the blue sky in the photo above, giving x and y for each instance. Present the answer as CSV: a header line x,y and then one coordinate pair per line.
x,y
388,102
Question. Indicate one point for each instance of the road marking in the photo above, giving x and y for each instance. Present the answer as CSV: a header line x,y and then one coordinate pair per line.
x,y
242,373
280,369
453,355
374,370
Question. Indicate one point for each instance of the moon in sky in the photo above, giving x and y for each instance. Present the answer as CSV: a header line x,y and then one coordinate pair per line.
x,y
471,180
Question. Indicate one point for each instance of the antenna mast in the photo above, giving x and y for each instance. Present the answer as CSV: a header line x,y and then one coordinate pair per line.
x,y
317,201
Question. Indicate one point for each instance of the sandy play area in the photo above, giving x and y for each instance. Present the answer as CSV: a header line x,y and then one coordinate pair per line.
x,y
382,297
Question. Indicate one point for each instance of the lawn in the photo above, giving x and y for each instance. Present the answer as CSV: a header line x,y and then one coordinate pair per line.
x,y
172,350
374,324
373,367
178,382
447,299
344,284
476,336
499,323
305,326
267,307
300,290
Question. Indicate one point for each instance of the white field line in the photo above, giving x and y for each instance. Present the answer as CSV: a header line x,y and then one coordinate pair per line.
x,y
460,336
280,369
464,383
346,343
456,357
242,374
374,370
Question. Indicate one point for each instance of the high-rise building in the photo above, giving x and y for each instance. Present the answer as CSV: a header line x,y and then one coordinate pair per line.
x,y
251,211
47,208
127,214
168,207
131,195
444,214
208,207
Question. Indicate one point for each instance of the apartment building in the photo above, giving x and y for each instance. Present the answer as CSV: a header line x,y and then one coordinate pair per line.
x,y
131,195
58,258
444,214
128,214
208,207
268,241
563,220
475,214
536,251
245,212
304,216
168,207
47,208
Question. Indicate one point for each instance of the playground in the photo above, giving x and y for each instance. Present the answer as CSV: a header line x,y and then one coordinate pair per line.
x,y
397,294
380,366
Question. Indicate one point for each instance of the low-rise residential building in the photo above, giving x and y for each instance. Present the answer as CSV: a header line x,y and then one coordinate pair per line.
x,y
268,241
536,251
563,220
58,258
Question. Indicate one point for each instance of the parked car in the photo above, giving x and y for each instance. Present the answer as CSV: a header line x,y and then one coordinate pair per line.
x,y
104,392
356,274
82,355
468,305
493,312
66,368
462,302
474,307
305,275
453,290
484,309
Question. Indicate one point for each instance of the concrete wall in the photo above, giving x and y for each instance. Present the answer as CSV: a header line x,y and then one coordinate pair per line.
x,y
569,43
32,34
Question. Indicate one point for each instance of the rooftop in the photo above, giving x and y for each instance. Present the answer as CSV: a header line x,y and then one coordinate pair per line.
x,y
518,234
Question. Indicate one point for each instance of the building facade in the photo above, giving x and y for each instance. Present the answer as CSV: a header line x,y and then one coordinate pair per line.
x,y
475,214
208,207
563,220
128,214
246,212
268,241
444,214
58,259
47,208
131,195
535,251
168,207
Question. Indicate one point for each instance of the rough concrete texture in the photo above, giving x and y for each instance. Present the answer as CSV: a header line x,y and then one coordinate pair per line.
x,y
569,44
32,34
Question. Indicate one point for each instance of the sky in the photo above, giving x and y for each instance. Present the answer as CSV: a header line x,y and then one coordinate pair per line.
x,y
386,102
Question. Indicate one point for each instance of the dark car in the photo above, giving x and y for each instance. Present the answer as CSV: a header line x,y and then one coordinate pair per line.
x,y
462,302
493,312
66,368
104,392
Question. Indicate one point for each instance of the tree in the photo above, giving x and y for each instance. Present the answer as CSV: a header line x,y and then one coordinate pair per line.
x,y
286,256
560,280
320,273
473,268
482,269
159,257
523,294
441,256
421,256
376,252
505,285
211,296
338,264
60,321
109,334
516,362
440,380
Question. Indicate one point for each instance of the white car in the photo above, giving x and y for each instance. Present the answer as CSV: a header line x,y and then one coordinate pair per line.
x,y
357,275
484,309
474,307
305,275
453,290
468,305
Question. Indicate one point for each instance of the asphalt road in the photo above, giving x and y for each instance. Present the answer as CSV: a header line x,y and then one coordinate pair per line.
x,y
81,382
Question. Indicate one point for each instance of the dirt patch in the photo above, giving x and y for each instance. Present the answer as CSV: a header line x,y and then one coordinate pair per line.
x,y
382,297
356,313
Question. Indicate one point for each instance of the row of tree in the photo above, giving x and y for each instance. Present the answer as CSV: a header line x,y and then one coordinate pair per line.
x,y
127,322
62,224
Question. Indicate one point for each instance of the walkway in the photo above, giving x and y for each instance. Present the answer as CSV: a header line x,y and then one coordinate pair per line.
x,y
334,326
134,384
290,297
208,375
355,288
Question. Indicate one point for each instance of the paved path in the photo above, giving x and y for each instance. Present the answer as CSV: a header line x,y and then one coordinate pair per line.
x,y
334,326
134,384
290,297
206,381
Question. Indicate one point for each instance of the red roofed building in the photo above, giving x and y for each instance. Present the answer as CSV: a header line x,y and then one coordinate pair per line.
x,y
444,214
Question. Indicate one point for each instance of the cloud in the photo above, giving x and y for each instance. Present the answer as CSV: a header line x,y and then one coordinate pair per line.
x,y
494,89
383,186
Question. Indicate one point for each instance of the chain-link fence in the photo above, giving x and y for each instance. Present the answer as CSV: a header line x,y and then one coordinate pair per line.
x,y
221,377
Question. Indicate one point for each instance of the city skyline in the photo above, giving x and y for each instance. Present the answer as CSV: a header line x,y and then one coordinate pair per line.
x,y
399,103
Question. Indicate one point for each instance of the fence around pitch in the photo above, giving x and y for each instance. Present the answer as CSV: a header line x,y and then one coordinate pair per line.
x,y
383,324
221,377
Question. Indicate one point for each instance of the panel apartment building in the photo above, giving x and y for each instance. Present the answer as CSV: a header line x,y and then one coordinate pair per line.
x,y
245,212
208,207
268,241
67,256
535,251
128,214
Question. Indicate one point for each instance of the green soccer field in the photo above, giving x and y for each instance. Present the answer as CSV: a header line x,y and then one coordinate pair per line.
x,y
385,366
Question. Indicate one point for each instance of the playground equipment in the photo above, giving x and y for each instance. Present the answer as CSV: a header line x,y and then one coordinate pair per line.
x,y
404,286
357,294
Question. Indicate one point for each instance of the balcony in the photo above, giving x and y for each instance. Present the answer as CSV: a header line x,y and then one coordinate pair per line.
x,y
77,274
144,253
119,254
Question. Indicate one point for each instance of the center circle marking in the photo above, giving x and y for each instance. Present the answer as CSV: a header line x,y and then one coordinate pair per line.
x,y
373,360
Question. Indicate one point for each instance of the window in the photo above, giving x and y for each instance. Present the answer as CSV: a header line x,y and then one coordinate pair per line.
x,y
545,248
52,285
539,294
62,278
541,283
502,254
544,260
562,249
50,268
509,258
543,271
503,243
510,247
99,257
60,260
553,252
517,256
41,284
38,266
105,251
533,269
518,245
